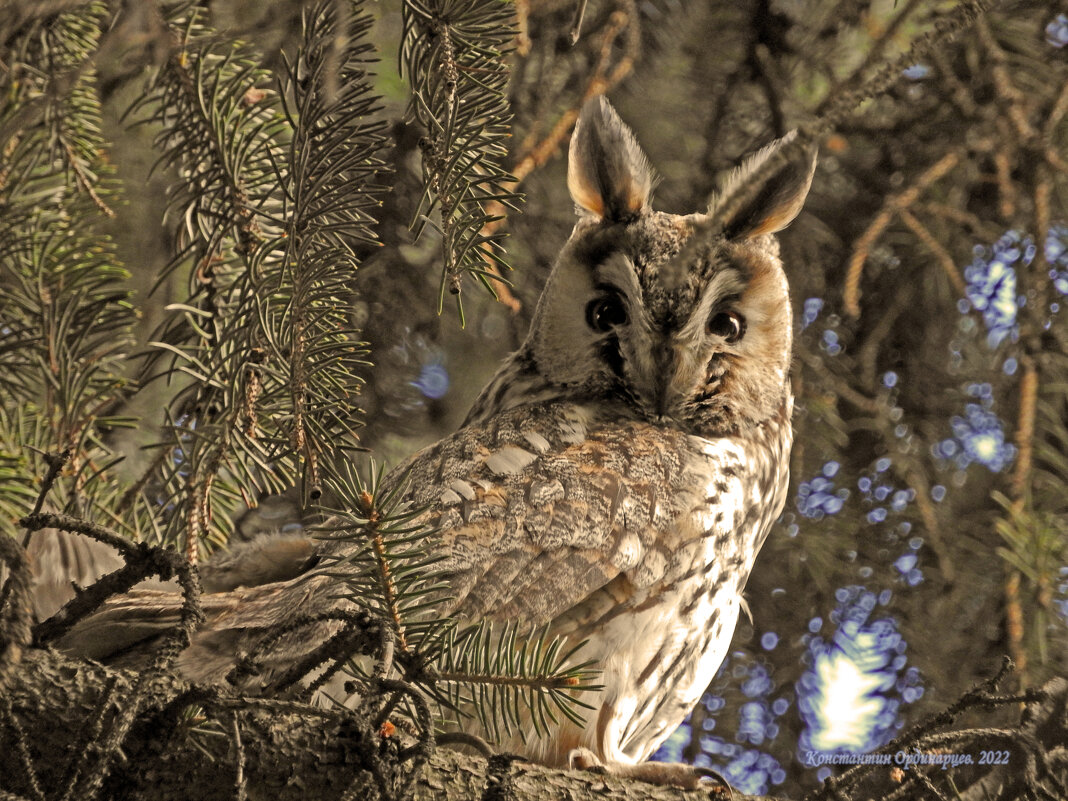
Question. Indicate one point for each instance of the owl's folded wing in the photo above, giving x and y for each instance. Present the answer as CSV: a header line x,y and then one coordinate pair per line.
x,y
546,507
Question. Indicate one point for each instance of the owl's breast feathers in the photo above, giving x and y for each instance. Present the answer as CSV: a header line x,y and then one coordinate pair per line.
x,y
635,537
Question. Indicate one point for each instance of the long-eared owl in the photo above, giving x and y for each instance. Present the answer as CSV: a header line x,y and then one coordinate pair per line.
x,y
617,477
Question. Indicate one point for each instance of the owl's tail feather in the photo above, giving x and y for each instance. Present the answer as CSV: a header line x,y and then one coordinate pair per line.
x,y
247,622
249,592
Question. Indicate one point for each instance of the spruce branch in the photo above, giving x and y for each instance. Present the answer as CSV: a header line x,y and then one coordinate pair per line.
x,y
509,677
331,193
534,154
68,318
388,572
453,53
276,190
220,146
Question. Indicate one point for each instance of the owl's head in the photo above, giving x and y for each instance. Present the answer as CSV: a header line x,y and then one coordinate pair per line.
x,y
685,319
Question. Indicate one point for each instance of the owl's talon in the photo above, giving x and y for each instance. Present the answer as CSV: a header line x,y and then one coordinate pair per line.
x,y
722,785
585,759
669,774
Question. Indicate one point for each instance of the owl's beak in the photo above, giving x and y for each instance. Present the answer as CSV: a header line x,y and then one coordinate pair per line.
x,y
670,358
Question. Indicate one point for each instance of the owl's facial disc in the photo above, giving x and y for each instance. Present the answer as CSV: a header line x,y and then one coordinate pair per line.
x,y
683,319
662,349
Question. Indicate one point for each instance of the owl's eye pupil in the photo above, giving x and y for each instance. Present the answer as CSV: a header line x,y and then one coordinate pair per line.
x,y
606,312
729,325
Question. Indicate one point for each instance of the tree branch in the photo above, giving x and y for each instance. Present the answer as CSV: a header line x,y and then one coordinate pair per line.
x,y
290,751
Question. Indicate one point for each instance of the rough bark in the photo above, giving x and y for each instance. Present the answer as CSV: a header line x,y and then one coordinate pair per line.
x,y
59,739
57,712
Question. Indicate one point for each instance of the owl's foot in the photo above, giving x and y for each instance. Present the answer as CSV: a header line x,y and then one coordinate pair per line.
x,y
671,774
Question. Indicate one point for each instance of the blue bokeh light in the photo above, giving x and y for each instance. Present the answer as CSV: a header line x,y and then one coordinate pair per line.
x,y
818,497
737,758
991,284
830,342
433,380
810,311
978,436
1057,31
850,697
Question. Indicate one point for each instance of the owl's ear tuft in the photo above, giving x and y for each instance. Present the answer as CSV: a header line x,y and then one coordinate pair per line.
x,y
607,172
773,204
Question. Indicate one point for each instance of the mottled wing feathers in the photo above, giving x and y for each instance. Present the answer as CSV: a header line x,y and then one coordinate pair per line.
x,y
124,632
545,505
125,621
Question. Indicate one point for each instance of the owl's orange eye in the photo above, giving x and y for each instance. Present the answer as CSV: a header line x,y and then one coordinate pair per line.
x,y
730,325
606,312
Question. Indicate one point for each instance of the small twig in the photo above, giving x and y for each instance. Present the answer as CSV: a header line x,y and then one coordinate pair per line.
x,y
946,564
941,255
386,584
928,785
384,575
1003,174
975,225
354,637
85,183
420,752
1025,431
531,682
884,326
387,708
36,521
522,28
1007,92
840,387
893,205
1043,190
841,104
961,94
576,23
20,746
240,785
1056,113
465,738
30,113
142,561
1014,625
385,653
1021,479
875,52
55,462
198,515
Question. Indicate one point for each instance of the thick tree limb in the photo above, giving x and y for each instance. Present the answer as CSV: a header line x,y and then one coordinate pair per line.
x,y
285,751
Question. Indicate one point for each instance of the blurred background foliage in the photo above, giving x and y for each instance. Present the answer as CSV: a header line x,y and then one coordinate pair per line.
x,y
926,532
